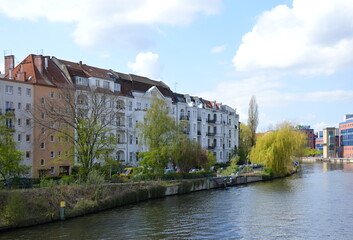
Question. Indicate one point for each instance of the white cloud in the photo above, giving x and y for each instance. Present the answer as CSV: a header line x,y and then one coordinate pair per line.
x,y
146,64
2,68
312,37
124,22
218,49
271,94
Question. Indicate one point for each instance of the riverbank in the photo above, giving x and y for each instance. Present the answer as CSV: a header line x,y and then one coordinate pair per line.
x,y
28,207
321,159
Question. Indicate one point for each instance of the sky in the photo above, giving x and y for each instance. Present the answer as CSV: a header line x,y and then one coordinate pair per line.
x,y
294,56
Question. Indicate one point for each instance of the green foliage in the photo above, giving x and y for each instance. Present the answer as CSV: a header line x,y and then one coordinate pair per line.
x,y
158,131
14,210
311,152
172,176
233,168
245,143
10,158
269,171
95,177
277,149
47,183
67,180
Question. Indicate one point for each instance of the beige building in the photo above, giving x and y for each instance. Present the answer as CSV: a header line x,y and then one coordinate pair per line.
x,y
330,142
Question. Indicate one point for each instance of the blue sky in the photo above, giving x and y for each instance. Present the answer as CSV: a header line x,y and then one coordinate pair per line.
x,y
295,56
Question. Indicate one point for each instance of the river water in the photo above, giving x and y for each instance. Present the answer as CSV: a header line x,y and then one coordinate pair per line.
x,y
316,203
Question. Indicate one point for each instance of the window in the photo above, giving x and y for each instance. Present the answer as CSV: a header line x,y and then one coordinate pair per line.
x,y
59,154
51,124
52,170
138,106
97,83
19,137
106,84
9,105
43,115
8,89
19,122
130,122
42,145
28,155
137,140
28,106
130,139
52,154
42,100
42,162
43,130
117,87
130,106
19,91
51,138
28,138
82,81
19,105
28,92
28,122
52,95
130,157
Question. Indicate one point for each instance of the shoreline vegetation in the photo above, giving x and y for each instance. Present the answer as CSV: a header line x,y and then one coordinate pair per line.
x,y
29,207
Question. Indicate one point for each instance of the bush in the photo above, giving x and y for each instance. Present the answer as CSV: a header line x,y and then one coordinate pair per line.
x,y
95,177
47,183
269,171
15,209
67,180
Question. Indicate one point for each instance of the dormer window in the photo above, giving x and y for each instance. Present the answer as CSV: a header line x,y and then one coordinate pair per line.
x,y
82,81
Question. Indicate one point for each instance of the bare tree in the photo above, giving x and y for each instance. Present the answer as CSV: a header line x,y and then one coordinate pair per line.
x,y
253,119
82,119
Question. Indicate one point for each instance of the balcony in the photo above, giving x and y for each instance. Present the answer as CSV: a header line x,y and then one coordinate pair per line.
x,y
199,119
210,134
185,118
211,121
10,111
199,133
211,147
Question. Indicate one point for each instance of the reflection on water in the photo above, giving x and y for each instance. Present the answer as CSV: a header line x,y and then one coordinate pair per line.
x,y
315,203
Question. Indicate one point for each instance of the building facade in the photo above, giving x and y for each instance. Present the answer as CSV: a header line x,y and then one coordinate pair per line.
x,y
214,125
330,142
346,136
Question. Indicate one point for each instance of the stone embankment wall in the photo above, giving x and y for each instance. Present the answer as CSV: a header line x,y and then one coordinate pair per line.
x,y
27,207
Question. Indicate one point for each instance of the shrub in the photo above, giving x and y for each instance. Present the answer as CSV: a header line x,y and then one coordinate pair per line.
x,y
47,183
95,177
269,171
67,180
15,209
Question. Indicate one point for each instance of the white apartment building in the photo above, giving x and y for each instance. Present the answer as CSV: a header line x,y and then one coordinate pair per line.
x,y
16,99
214,125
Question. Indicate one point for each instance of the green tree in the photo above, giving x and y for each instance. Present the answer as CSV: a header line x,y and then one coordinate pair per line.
x,y
245,143
188,154
158,132
10,158
311,152
278,149
253,119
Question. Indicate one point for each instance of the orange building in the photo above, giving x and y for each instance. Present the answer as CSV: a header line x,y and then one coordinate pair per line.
x,y
50,155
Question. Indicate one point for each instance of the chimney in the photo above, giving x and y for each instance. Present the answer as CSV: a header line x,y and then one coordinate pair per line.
x,y
38,63
9,64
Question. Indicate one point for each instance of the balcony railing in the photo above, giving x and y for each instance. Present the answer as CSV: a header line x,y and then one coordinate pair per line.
x,y
199,119
10,111
210,134
211,120
184,118
211,147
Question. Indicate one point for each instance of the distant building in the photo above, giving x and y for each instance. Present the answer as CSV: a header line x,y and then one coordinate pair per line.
x,y
346,136
319,142
309,132
330,142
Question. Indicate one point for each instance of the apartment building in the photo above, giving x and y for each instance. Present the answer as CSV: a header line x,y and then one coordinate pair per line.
x,y
214,125
330,142
16,99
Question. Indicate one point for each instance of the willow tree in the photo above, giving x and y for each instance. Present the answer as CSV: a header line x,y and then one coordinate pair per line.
x,y
253,119
278,149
